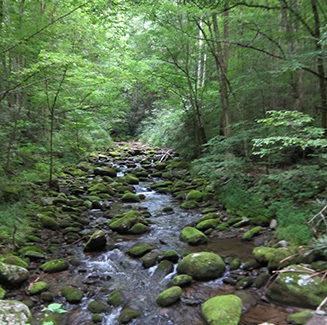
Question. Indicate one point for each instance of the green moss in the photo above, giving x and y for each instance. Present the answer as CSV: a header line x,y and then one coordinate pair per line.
x,y
116,298
182,280
222,310
96,318
193,236
56,265
130,179
161,184
169,296
97,307
139,228
127,314
300,318
72,294
2,293
130,198
171,256
49,222
140,249
195,195
189,205
207,224
235,264
251,233
15,260
37,288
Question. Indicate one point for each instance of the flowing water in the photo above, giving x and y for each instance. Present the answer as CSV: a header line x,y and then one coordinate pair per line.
x,y
101,273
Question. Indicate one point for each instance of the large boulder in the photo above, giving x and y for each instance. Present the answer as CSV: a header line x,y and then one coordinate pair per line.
x,y
140,249
296,286
14,313
193,236
125,224
222,310
195,195
202,266
12,274
54,266
129,197
96,242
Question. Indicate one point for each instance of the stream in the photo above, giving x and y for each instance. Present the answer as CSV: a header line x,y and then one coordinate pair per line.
x,y
100,273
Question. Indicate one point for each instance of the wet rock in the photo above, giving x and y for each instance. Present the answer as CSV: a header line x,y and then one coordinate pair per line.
x,y
97,307
37,288
261,280
250,265
47,296
251,233
193,236
300,318
13,274
222,310
14,313
96,318
97,242
202,266
130,179
171,256
49,222
127,314
138,229
189,204
131,198
140,249
248,300
243,282
56,265
169,296
235,264
105,171
181,280
71,294
195,195
161,185
116,298
168,210
124,224
164,268
295,287
150,259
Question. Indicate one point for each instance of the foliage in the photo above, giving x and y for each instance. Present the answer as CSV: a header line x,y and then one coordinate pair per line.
x,y
320,244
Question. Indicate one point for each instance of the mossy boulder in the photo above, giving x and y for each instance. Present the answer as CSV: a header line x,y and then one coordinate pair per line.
x,y
207,224
97,307
14,313
161,185
127,314
138,229
96,242
37,288
124,224
300,318
140,249
195,195
105,171
169,296
96,318
202,266
191,204
164,268
235,264
130,179
150,259
15,260
13,274
101,188
56,265
295,286
181,280
273,256
193,236
171,256
251,233
49,222
129,197
116,298
222,310
71,294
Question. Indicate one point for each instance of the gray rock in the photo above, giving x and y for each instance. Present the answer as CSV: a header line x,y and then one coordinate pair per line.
x,y
13,274
14,313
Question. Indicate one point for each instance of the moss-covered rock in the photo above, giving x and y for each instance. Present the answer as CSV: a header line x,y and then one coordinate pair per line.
x,y
140,249
222,310
96,318
235,264
37,288
49,222
169,296
15,260
193,236
300,318
97,307
295,287
161,185
56,265
129,197
189,204
127,314
14,313
138,229
130,179
273,256
96,242
202,266
116,298
12,192
71,294
150,259
164,268
181,280
171,256
251,233
105,171
13,274
124,224
207,224
2,293
195,195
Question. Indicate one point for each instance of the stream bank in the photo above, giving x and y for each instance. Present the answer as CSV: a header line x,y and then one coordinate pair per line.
x,y
128,197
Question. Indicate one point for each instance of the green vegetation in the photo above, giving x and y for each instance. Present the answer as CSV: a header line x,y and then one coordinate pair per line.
x,y
244,100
